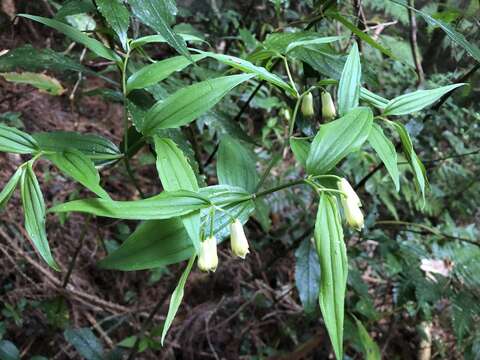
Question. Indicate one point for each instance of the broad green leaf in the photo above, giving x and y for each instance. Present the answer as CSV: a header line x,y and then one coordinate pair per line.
x,y
188,103
85,342
337,139
176,299
164,242
164,206
9,187
78,166
97,148
333,269
386,151
156,72
41,81
310,42
371,350
34,210
94,45
362,35
300,148
159,39
8,351
117,16
415,163
322,60
15,141
74,7
307,275
158,14
249,68
176,174
373,99
236,164
454,35
349,85
417,100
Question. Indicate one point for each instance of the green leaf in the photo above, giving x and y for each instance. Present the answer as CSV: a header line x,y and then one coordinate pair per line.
x,y
176,174
307,275
455,36
97,148
85,342
164,242
9,188
300,148
176,299
78,166
8,351
41,81
349,85
94,45
163,206
322,60
362,35
153,73
249,68
412,158
236,164
337,139
34,209
158,14
417,100
74,7
373,99
15,141
333,269
189,103
117,16
386,151
159,39
371,350
310,42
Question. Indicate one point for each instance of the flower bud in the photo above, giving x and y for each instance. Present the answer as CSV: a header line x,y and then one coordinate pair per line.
x,y
208,258
328,107
351,205
307,105
238,240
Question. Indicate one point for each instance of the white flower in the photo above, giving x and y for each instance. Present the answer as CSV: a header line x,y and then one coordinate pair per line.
x,y
328,107
351,205
307,105
208,258
238,240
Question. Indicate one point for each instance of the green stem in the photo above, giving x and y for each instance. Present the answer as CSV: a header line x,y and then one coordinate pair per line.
x,y
287,68
278,188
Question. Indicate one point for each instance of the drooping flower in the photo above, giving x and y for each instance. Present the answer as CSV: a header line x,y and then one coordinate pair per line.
x,y
307,105
328,107
238,240
208,258
351,205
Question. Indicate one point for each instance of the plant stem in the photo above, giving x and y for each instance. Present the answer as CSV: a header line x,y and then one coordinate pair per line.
x,y
278,188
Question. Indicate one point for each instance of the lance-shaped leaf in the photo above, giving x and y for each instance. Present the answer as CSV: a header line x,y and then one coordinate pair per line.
x,y
78,166
176,299
42,82
333,269
349,85
176,174
160,39
307,274
236,164
300,148
34,210
158,14
15,141
163,206
189,103
373,99
415,163
10,186
153,73
164,242
248,67
117,16
370,347
417,100
386,151
94,45
313,42
97,148
337,139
